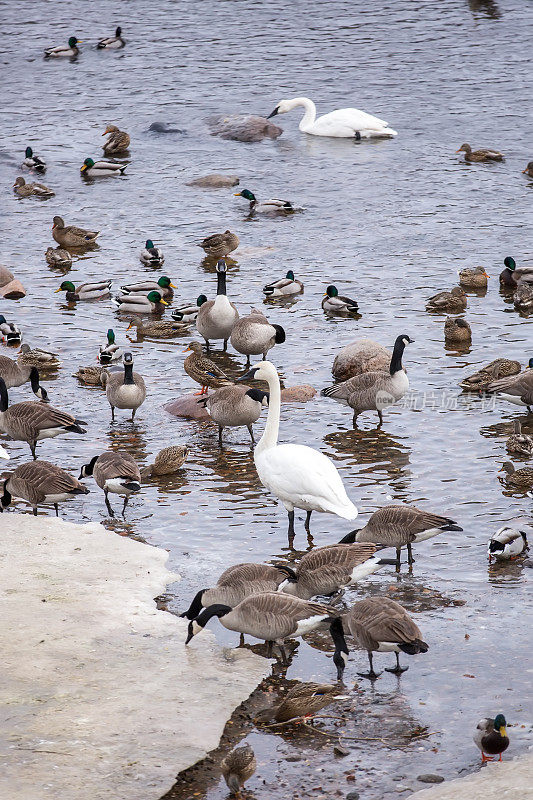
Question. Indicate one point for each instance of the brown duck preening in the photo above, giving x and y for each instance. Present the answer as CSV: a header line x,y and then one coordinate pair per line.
x,y
118,142
519,443
301,702
238,767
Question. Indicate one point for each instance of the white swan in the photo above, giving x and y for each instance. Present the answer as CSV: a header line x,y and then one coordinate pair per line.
x,y
347,123
300,476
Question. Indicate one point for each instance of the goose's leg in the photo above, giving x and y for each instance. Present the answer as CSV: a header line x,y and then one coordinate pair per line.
x,y
33,445
370,674
397,670
133,414
380,415
248,361
308,522
207,345
241,640
291,531
35,511
108,504
251,432
226,347
112,413
270,645
398,558
410,558
357,136
57,509
125,504
283,653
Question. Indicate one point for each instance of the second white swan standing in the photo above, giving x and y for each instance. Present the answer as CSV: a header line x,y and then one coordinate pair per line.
x,y
300,476
346,123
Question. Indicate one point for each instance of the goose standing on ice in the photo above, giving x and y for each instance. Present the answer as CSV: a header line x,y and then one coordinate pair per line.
x,y
345,123
300,476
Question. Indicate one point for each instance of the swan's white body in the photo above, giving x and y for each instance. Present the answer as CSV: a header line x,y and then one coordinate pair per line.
x,y
300,476
346,123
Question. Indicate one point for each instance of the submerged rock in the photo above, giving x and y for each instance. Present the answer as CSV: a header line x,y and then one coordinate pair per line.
x,y
298,394
244,128
161,127
215,181
430,778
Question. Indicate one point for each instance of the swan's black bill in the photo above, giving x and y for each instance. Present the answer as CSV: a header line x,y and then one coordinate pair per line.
x,y
248,376
274,113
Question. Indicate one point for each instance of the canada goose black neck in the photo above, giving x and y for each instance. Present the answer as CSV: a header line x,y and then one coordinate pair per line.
x,y
340,656
4,399
221,279
397,353
34,380
216,610
195,607
292,577
128,374
88,469
5,500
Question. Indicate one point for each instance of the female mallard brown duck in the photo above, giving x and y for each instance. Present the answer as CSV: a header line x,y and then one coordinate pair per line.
x,y
521,478
23,189
491,737
480,155
301,702
204,371
523,297
528,170
473,278
160,329
499,368
457,329
518,442
93,376
118,142
454,301
220,245
238,767
167,461
37,358
85,291
71,236
58,257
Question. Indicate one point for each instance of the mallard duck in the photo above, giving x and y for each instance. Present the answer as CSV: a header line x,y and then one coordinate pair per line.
x,y
163,285
190,312
34,162
62,50
9,332
220,245
99,169
118,142
457,329
58,257
202,370
301,702
167,461
517,390
24,189
43,359
150,255
85,291
518,442
499,368
334,303
273,206
507,544
71,236
480,155
528,170
112,42
284,286
158,329
521,478
153,303
511,276
473,278
491,737
523,297
363,355
93,376
238,767
454,301
110,351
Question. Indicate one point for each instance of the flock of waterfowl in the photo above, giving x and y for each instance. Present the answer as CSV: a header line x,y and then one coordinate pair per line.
x,y
270,603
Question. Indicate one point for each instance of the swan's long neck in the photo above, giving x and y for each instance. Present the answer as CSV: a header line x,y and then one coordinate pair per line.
x,y
270,435
310,111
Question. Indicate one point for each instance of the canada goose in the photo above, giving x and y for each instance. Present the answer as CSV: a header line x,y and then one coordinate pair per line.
x,y
36,357
115,472
167,461
380,625
112,43
63,50
303,701
499,368
523,297
9,331
118,142
72,236
93,376
150,255
480,155
528,170
40,483
238,767
363,355
216,318
203,370
158,329
272,206
31,421
335,303
152,303
23,189
454,301
274,617
233,406
325,570
34,162
399,526
300,476
125,390
101,169
511,276
95,290
457,329
220,245
491,737
518,442
254,335
521,478
517,389
58,257
188,313
284,287
374,391
234,585
473,278
163,285
507,544
13,373
110,351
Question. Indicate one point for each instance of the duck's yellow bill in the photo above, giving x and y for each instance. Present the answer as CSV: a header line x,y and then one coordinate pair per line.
x,y
503,732
58,290
238,194
164,302
172,286
129,326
